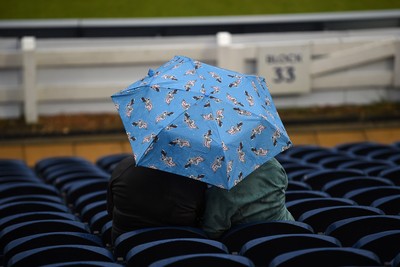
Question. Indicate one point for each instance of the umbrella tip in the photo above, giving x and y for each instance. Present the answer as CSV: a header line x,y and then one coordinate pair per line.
x,y
150,73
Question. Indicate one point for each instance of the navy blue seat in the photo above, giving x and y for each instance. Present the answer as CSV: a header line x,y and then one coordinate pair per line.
x,y
53,172
98,220
319,219
92,209
41,165
204,259
60,253
334,162
341,256
263,250
49,239
85,264
389,204
363,165
129,240
86,199
14,178
318,179
298,207
237,236
302,194
27,206
298,175
106,234
365,196
350,230
107,162
35,216
300,151
317,156
392,173
33,197
62,180
145,254
297,185
385,244
339,188
78,189
19,230
395,159
396,261
27,188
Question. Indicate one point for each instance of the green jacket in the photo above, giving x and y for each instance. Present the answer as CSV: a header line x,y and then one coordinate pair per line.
x,y
260,196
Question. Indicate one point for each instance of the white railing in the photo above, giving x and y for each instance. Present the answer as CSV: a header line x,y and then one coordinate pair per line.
x,y
41,76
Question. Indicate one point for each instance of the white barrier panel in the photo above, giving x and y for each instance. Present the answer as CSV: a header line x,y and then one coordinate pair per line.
x,y
48,76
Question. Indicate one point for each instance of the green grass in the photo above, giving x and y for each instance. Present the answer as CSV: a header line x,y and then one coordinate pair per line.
x,y
75,9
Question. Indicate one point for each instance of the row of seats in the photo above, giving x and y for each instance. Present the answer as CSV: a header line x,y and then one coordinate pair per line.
x,y
345,201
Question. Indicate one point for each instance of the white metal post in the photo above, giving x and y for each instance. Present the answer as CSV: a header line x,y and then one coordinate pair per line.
x,y
28,46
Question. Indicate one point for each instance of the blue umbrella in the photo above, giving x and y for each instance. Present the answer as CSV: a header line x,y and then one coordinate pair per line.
x,y
201,121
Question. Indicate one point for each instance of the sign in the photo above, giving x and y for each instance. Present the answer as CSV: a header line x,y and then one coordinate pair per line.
x,y
285,68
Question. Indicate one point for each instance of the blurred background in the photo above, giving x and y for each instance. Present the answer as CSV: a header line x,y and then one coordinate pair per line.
x,y
333,67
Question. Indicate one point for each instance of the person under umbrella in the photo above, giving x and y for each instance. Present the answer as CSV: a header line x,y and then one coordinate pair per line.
x,y
204,123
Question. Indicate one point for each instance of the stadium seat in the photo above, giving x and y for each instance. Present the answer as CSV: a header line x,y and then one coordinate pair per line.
x,y
106,234
350,230
15,231
297,185
396,261
92,209
145,254
53,172
65,179
317,156
365,196
107,162
344,185
339,256
334,162
129,240
298,207
395,159
318,179
204,259
319,219
88,263
60,253
293,167
45,163
261,251
237,236
98,220
302,194
384,154
86,199
12,178
35,216
363,165
300,151
49,239
78,189
390,205
27,188
385,244
27,206
392,173
298,175
34,197
374,171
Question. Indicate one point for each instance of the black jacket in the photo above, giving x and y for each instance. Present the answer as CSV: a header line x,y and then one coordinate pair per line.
x,y
141,197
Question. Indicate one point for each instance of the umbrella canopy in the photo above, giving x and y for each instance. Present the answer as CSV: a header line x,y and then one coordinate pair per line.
x,y
201,121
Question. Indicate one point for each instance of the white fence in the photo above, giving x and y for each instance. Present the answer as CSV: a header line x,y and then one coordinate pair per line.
x,y
47,76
